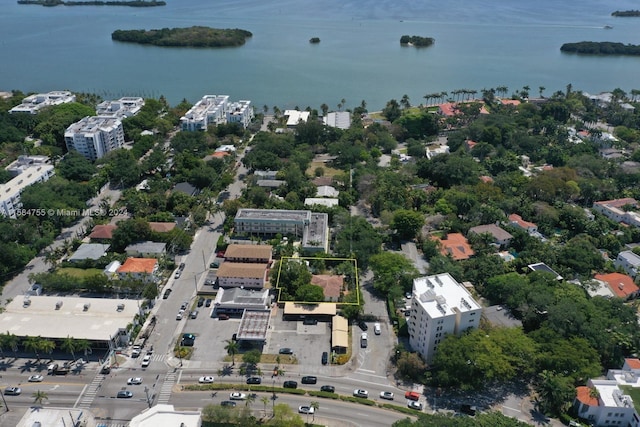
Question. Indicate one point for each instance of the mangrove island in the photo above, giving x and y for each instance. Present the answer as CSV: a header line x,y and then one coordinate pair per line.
x,y
601,48
184,37
416,41
626,13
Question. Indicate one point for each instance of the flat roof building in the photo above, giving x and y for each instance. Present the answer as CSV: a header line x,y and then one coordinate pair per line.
x,y
95,136
440,306
321,201
294,117
127,106
32,104
629,262
338,119
236,300
166,416
211,110
11,191
146,249
240,112
242,274
254,325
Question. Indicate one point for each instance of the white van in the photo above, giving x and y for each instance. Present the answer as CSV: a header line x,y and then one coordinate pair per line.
x,y
376,328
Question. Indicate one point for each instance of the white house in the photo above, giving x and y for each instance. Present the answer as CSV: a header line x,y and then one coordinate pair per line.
x,y
294,117
629,262
95,136
440,306
27,173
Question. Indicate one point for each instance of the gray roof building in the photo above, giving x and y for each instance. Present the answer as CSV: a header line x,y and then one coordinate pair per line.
x,y
91,251
147,248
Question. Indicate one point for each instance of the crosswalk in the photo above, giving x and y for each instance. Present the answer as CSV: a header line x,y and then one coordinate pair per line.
x,y
110,424
159,357
167,386
90,393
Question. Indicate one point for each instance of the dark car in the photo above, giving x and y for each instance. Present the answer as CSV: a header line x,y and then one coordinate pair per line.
x,y
105,370
228,403
181,267
309,379
166,294
124,394
290,384
310,322
328,388
325,358
223,317
468,409
207,302
285,350
254,380
200,302
363,325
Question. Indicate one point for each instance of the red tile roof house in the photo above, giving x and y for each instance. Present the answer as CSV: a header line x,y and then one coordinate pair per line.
x,y
102,232
612,209
139,268
331,285
456,245
517,221
621,284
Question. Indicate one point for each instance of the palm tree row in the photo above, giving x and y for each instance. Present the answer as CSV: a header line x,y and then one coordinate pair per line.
x,y
40,345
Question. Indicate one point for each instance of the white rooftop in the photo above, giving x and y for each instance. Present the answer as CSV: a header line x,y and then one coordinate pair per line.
x,y
440,294
611,395
322,201
56,417
166,416
29,176
294,117
98,322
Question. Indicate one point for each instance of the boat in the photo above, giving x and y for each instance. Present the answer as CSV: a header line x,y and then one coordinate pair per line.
x,y
608,27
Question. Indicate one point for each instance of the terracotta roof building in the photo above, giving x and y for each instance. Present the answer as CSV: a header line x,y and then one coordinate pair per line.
x,y
162,227
249,253
331,285
102,232
139,268
456,245
621,284
517,221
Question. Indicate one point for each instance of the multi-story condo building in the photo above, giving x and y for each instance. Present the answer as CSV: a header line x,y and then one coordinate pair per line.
x,y
93,137
28,171
240,112
121,108
34,103
210,110
439,306
619,210
629,262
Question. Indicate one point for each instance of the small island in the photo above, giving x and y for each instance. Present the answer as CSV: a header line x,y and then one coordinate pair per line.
x,y
314,40
132,3
184,37
601,48
626,13
416,41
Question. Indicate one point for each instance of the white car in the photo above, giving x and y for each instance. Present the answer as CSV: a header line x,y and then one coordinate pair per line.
x,y
237,396
146,361
361,393
35,378
180,315
134,381
205,380
386,395
306,409
415,405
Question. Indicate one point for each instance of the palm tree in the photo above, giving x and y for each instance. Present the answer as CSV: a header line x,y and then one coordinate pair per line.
x,y
33,344
10,340
540,90
39,396
325,109
69,345
232,350
265,108
343,102
315,405
265,401
47,346
84,346
251,397
405,101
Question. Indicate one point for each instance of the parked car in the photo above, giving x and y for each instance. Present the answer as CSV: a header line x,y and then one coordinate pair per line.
x,y
254,380
363,325
290,384
363,340
177,275
207,302
376,329
223,316
134,381
193,314
386,395
306,409
184,305
227,403
415,405
181,266
325,357
285,350
12,391
180,315
310,322
146,361
309,379
135,351
205,380
35,378
328,388
412,395
124,394
200,301
361,393
237,396
167,293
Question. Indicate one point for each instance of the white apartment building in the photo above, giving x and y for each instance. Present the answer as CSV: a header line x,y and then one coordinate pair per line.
x,y
629,262
93,137
34,103
610,406
127,106
29,170
210,110
613,209
240,112
440,306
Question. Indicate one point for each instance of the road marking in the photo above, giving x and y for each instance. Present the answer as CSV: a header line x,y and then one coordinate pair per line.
x,y
366,370
511,409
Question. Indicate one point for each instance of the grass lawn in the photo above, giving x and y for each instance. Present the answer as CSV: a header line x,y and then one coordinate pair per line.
x,y
285,359
330,172
79,272
634,392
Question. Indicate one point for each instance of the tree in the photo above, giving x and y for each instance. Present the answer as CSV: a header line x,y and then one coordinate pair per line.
x,y
69,345
390,270
411,366
407,223
555,393
283,416
392,110
122,168
265,401
252,357
251,397
47,346
316,406
325,109
39,396
232,349
405,102
33,344
310,293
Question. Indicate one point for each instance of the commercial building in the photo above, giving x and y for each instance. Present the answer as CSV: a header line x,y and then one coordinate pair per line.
x,y
440,306
312,227
34,103
127,106
234,301
338,119
166,415
211,110
28,170
95,136
294,117
254,325
54,417
240,112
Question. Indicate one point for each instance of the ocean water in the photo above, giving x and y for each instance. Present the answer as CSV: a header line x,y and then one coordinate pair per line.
x,y
479,44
